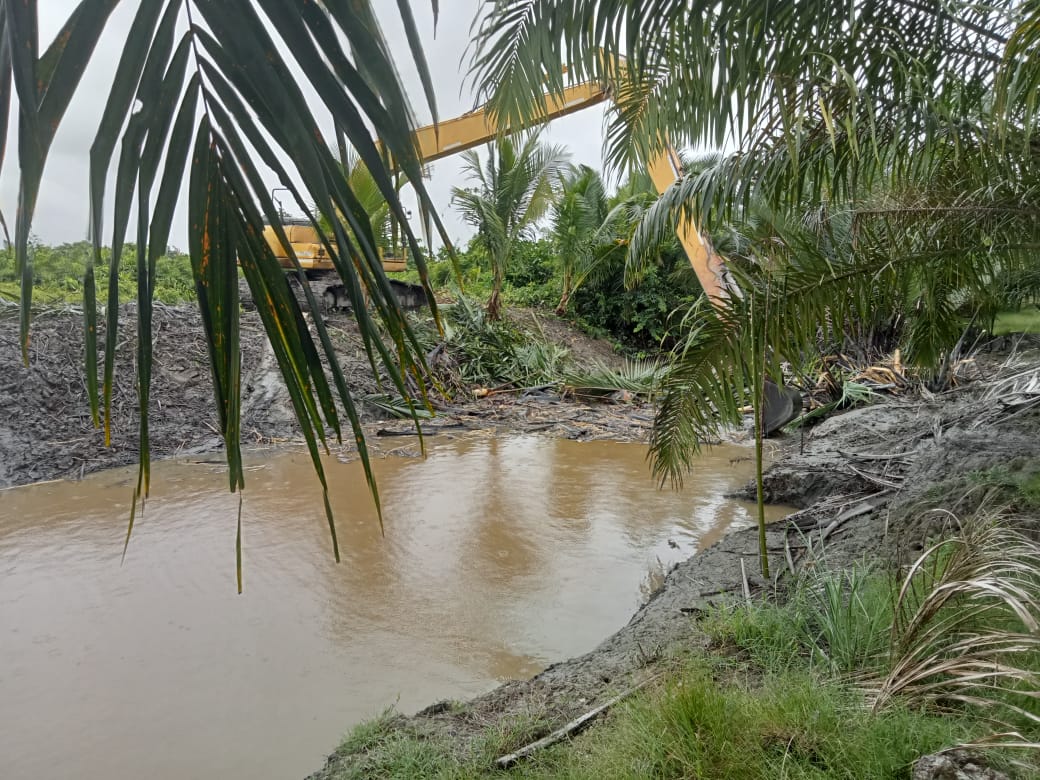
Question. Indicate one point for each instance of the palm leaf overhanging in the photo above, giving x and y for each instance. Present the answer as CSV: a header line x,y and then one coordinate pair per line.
x,y
206,87
883,177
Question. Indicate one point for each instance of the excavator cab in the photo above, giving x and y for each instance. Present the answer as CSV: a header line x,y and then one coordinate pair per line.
x,y
320,272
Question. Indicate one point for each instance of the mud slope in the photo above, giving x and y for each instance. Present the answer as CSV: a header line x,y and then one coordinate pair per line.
x,y
865,479
46,431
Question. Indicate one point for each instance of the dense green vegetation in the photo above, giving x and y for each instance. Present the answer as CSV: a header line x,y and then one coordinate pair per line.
x,y
642,318
58,274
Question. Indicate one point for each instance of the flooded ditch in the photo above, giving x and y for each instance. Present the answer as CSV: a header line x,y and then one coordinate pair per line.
x,y
500,556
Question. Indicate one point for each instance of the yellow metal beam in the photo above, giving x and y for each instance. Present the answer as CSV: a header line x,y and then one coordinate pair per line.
x,y
475,128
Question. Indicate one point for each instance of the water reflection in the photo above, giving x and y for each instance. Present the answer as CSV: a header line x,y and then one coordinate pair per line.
x,y
499,557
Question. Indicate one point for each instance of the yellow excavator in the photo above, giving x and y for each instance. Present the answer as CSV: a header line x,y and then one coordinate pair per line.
x,y
472,129
452,136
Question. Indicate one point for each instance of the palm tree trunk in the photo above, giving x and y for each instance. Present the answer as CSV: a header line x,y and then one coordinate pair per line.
x,y
561,307
494,304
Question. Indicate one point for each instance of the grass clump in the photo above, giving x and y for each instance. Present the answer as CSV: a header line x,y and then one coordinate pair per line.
x,y
836,622
790,725
1016,484
382,748
387,748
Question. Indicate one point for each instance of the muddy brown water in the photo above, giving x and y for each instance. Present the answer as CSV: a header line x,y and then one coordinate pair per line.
x,y
500,556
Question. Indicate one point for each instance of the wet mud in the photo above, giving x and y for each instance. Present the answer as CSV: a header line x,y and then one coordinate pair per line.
x,y
864,480
46,430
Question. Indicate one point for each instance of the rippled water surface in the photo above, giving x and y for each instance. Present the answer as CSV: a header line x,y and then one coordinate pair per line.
x,y
499,557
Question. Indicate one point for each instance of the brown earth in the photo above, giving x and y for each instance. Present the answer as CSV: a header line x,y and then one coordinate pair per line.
x,y
46,430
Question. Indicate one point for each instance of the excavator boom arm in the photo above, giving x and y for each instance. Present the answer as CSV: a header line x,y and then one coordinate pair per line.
x,y
477,127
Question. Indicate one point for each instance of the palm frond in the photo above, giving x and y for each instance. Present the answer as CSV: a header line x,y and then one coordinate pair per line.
x,y
699,72
637,377
212,79
967,622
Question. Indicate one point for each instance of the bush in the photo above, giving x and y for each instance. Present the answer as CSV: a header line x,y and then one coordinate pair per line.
x,y
58,274
643,318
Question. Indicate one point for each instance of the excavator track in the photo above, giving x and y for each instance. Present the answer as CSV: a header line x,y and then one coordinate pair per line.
x,y
330,294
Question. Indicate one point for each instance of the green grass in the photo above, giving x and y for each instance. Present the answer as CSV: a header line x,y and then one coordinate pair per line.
x,y
836,622
787,726
382,749
708,720
1025,320
1016,483
785,690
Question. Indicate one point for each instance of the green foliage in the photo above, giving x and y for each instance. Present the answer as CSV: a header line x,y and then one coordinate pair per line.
x,y
1016,484
579,224
512,191
58,274
494,353
701,721
836,622
636,377
1024,320
957,631
643,318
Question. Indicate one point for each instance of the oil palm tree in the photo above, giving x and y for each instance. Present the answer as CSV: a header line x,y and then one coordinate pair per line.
x,y
884,151
515,187
371,200
578,216
205,92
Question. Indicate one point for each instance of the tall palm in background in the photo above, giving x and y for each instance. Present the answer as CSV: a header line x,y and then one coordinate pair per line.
x,y
209,92
883,154
515,187
578,216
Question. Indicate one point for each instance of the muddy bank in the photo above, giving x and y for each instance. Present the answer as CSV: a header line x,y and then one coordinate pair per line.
x,y
864,478
46,431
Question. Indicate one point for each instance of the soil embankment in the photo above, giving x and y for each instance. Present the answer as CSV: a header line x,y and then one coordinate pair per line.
x,y
46,431
864,480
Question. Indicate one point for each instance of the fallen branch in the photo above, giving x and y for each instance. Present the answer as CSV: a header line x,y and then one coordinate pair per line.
x,y
568,729
877,479
875,456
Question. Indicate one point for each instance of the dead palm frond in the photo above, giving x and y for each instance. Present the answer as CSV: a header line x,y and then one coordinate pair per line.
x,y
967,625
636,377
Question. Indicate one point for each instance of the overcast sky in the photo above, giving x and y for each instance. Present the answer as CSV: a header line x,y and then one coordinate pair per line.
x,y
62,213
